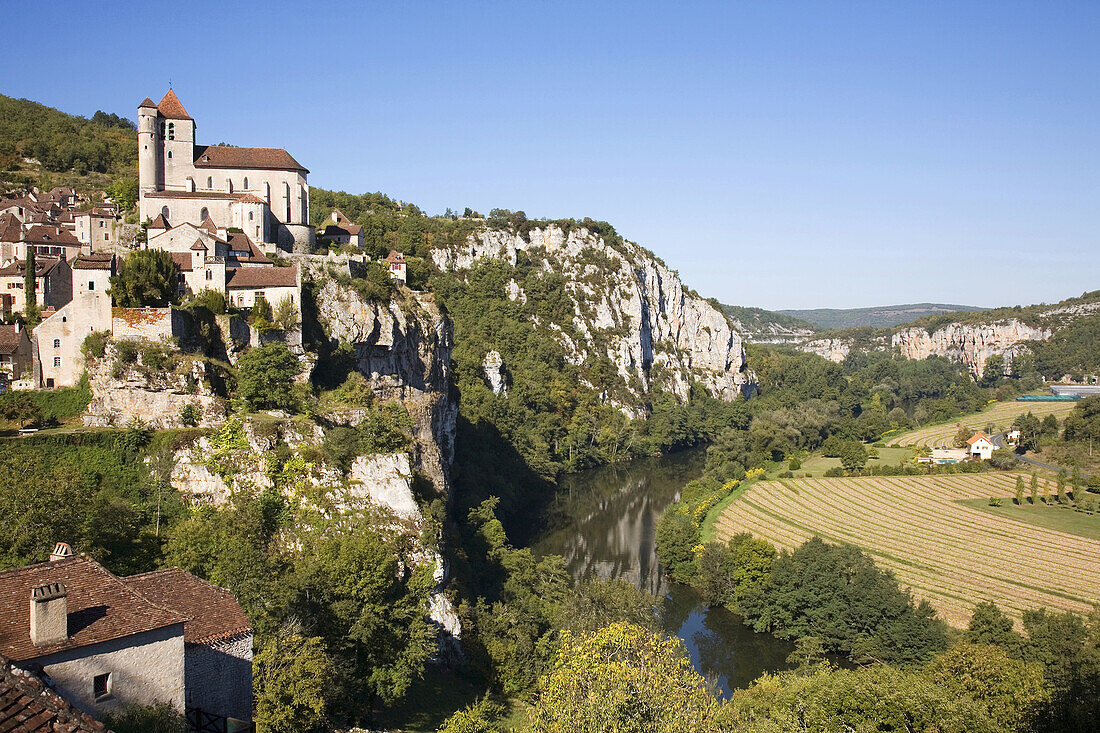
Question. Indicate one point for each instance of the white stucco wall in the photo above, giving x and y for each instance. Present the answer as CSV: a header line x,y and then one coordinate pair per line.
x,y
89,310
145,669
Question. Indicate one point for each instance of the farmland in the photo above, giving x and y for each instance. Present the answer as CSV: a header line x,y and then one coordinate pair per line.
x,y
951,554
999,415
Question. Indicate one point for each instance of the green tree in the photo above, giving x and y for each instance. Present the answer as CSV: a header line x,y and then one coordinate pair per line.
x,y
597,603
265,376
1046,491
293,675
622,678
1008,688
853,456
677,537
1034,488
30,288
989,625
124,192
962,436
22,408
147,277
1019,490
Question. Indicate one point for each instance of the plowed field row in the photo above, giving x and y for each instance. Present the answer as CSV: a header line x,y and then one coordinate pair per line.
x,y
950,554
1000,414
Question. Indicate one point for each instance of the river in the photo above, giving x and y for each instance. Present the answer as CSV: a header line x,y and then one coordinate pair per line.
x,y
603,523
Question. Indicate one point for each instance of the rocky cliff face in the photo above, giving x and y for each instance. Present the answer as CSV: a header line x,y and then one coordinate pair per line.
x,y
969,344
403,348
627,306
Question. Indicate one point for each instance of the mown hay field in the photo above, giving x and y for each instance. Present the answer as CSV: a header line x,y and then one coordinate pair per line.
x,y
1001,414
948,553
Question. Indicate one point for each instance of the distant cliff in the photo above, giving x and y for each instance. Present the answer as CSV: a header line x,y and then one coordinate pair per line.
x,y
968,338
759,326
626,305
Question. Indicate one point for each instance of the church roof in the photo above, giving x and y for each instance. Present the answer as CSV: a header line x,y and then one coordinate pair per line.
x,y
172,108
249,198
227,156
198,246
159,223
147,103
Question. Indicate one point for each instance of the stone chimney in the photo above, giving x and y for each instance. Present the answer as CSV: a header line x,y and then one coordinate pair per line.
x,y
61,551
49,614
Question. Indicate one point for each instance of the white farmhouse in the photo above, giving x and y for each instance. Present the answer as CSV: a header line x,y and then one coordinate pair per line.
x,y
980,446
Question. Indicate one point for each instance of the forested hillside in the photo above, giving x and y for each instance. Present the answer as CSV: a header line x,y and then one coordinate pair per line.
x,y
39,144
876,317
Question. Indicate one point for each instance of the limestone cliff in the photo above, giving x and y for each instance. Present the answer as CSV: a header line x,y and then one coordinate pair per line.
x,y
969,339
627,306
403,347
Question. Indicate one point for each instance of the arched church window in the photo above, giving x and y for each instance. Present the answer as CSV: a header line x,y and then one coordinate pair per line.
x,y
169,153
210,181
245,186
229,185
204,214
171,130
164,212
267,192
250,216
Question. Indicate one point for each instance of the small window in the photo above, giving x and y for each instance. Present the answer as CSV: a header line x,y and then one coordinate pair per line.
x,y
209,275
57,343
209,181
57,361
91,285
171,133
106,237
250,216
203,214
101,686
245,183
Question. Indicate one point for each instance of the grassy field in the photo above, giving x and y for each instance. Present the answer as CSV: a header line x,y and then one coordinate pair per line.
x,y
949,553
1060,518
818,464
999,415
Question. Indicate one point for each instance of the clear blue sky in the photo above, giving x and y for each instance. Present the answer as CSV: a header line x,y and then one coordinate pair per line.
x,y
778,154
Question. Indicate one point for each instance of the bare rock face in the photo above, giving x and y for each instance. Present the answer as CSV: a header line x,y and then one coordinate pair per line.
x,y
626,303
386,480
121,392
404,349
493,366
966,343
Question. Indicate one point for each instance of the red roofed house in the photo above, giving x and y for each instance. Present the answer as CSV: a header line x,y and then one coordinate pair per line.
x,y
53,282
104,642
262,191
980,446
342,231
29,706
396,262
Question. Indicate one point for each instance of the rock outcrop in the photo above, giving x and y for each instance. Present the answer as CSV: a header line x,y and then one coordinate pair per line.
x,y
627,306
493,366
969,344
122,391
403,347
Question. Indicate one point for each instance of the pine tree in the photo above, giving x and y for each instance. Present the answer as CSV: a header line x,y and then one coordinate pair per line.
x,y
30,296
1019,490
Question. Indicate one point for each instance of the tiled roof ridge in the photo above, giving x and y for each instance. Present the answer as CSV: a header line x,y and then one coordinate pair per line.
x,y
183,618
220,591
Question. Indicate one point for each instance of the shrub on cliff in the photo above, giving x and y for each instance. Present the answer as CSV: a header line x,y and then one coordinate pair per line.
x,y
265,377
147,277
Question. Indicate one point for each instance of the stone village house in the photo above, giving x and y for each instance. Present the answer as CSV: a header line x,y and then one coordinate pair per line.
x,y
103,642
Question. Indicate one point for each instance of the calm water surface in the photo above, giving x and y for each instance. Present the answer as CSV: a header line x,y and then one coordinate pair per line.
x,y
603,523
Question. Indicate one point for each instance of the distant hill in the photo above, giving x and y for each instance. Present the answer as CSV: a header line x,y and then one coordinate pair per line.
x,y
767,327
886,316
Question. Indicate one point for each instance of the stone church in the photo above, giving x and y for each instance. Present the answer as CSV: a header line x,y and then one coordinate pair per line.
x,y
261,191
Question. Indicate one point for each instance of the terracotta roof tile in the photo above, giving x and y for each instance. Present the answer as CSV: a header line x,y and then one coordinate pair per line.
x,y
239,242
209,225
147,103
227,156
255,278
159,223
395,256
183,260
101,607
199,246
978,436
27,705
172,108
94,262
214,611
52,235
42,267
336,230
10,338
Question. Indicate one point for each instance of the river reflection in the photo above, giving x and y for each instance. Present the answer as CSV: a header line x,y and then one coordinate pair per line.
x,y
603,523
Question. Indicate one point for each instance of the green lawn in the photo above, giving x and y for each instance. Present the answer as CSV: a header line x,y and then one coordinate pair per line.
x,y
1062,519
818,464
